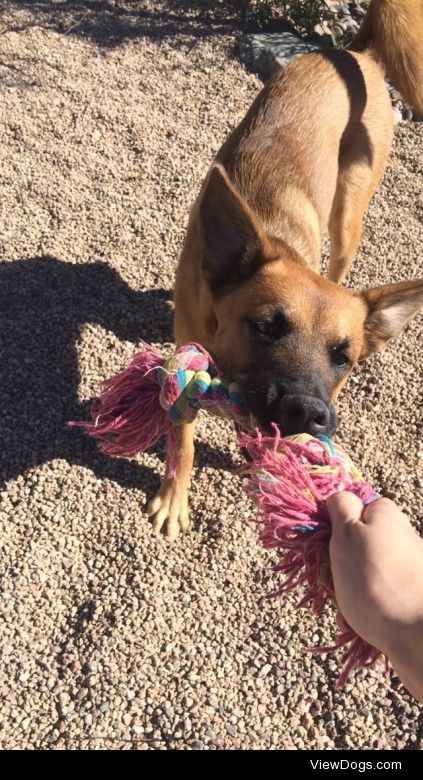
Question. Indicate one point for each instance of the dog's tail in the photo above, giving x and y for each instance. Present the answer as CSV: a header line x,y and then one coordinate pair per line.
x,y
392,30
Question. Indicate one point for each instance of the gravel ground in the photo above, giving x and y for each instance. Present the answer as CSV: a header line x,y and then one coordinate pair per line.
x,y
109,637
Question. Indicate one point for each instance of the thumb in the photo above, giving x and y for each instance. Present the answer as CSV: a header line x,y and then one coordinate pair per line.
x,y
343,508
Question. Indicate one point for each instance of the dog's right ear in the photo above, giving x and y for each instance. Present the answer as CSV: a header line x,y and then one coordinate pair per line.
x,y
234,244
390,308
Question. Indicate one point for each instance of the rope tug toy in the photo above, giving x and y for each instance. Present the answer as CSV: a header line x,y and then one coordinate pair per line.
x,y
288,478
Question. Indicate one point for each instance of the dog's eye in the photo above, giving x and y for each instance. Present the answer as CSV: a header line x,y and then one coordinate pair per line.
x,y
339,354
272,328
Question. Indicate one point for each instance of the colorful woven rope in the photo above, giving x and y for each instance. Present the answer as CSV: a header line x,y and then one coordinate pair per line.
x,y
288,478
189,382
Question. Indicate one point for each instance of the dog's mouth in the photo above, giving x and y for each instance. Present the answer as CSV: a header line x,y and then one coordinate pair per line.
x,y
256,400
293,412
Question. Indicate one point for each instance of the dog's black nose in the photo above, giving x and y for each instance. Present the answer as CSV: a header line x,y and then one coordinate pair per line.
x,y
304,414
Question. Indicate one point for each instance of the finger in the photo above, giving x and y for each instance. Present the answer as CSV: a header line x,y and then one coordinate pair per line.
x,y
382,510
343,508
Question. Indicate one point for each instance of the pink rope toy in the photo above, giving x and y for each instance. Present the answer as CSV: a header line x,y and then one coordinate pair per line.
x,y
288,478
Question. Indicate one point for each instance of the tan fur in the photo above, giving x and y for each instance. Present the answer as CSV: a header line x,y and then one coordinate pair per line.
x,y
307,157
393,32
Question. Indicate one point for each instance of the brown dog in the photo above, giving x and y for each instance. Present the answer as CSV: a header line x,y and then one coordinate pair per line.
x,y
308,156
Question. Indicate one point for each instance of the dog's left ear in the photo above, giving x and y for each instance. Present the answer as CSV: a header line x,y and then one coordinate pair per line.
x,y
389,309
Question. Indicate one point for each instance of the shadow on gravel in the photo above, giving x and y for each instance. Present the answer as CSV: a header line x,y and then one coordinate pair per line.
x,y
109,24
43,304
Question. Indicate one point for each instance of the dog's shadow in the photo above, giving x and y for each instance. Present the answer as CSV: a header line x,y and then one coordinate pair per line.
x,y
43,304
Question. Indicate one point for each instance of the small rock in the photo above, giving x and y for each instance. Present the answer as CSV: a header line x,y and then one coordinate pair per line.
x,y
265,670
268,52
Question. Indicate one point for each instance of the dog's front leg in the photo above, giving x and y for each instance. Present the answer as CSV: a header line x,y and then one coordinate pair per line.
x,y
168,509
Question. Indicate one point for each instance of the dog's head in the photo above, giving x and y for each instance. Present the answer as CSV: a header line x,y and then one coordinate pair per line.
x,y
288,336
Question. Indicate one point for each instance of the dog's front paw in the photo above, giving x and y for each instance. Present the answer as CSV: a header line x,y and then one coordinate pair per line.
x,y
168,510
